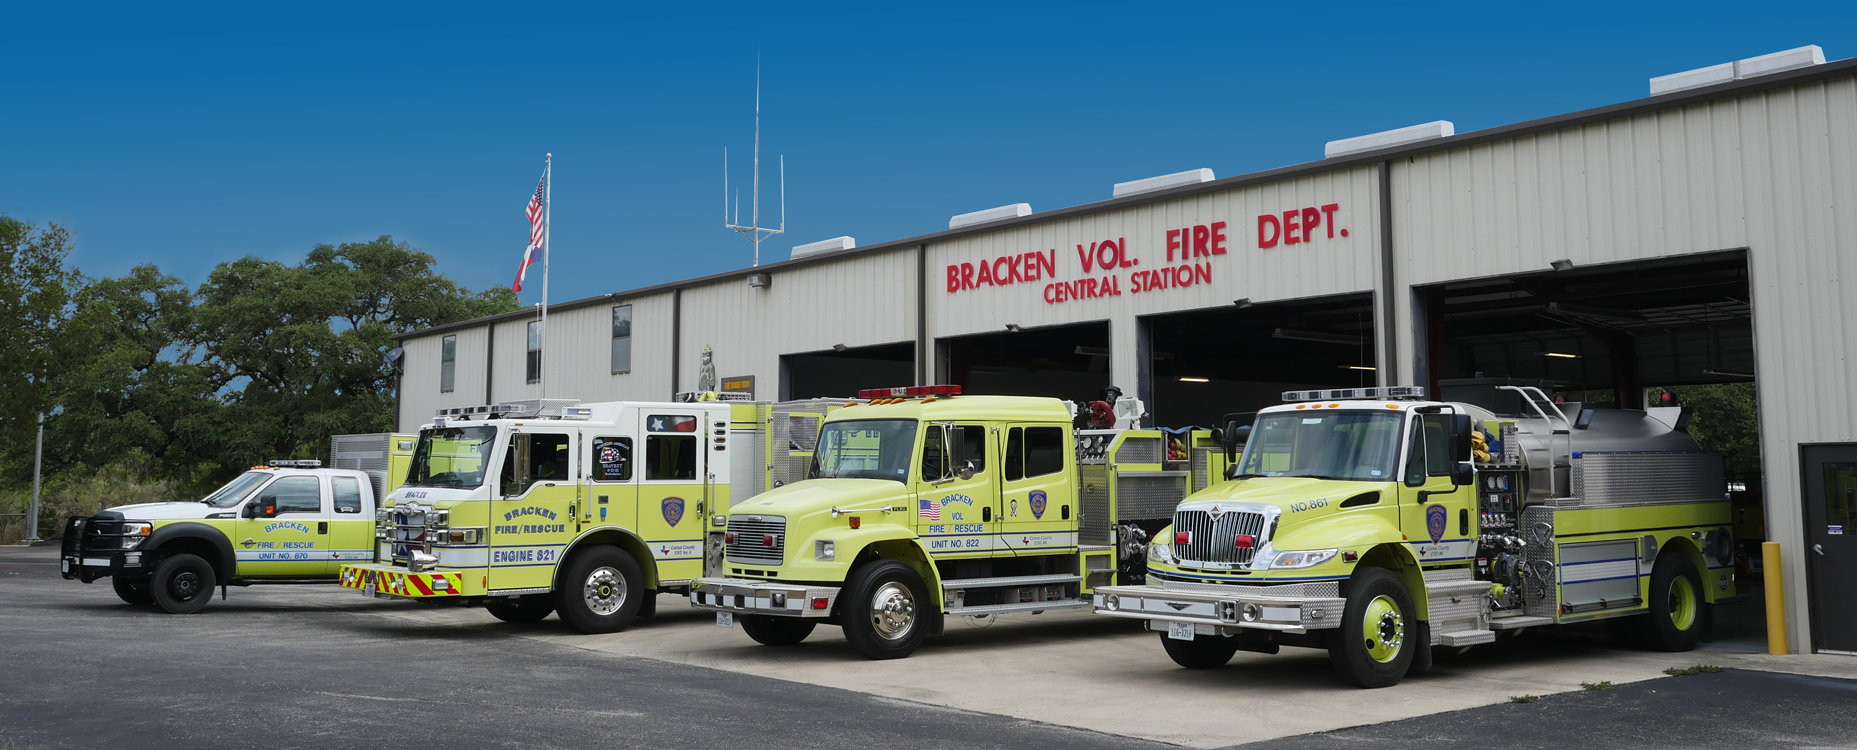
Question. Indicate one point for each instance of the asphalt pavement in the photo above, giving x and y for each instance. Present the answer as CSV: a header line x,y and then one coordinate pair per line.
x,y
291,667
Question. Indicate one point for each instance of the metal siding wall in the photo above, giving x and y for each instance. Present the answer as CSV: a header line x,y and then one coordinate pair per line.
x,y
1775,172
858,302
420,397
1323,266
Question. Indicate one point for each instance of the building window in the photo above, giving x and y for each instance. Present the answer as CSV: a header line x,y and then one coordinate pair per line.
x,y
448,364
622,339
535,351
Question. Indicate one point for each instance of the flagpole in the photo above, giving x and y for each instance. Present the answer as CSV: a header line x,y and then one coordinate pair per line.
x,y
548,186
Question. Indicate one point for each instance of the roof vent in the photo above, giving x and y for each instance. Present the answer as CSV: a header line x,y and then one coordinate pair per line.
x,y
1163,182
1013,211
1361,144
1801,57
832,245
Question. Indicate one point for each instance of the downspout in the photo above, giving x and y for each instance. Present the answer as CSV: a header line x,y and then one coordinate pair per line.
x,y
923,374
676,338
1388,372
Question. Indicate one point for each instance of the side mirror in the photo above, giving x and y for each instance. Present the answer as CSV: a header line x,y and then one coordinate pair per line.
x,y
266,507
967,470
1460,438
1464,473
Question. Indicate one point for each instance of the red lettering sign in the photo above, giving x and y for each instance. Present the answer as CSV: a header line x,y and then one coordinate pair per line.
x,y
1296,226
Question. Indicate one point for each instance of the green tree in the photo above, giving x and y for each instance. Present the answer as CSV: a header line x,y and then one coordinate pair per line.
x,y
35,303
300,349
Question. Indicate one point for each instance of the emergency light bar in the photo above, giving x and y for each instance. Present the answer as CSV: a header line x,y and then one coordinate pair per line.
x,y
560,408
1389,393
911,391
302,463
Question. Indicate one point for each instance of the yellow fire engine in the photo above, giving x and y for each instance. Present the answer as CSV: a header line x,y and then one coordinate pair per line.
x,y
1378,525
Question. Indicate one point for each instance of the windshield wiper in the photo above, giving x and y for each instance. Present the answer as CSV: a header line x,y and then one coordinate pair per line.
x,y
1249,476
1317,476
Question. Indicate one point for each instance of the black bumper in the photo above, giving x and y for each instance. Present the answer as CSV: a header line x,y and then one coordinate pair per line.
x,y
92,549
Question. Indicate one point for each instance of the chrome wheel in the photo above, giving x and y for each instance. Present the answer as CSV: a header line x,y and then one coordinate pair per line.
x,y
605,591
892,611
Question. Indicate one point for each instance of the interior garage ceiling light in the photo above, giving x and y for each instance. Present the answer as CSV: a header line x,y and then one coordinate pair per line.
x,y
1560,355
1195,380
1358,367
1317,336
1561,265
1013,327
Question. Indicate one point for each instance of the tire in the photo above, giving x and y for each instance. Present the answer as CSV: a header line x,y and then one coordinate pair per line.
x,y
1377,656
182,584
769,630
132,591
601,591
1679,614
522,609
881,610
648,604
1207,652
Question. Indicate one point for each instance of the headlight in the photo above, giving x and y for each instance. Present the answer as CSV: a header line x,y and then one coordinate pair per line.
x,y
1302,558
824,549
380,515
438,519
134,532
458,536
1159,553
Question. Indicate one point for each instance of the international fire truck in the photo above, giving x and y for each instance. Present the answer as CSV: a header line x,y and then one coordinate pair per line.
x,y
285,522
538,506
920,504
1378,525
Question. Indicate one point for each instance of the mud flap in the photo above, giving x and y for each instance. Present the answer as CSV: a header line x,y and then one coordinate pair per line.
x,y
1421,659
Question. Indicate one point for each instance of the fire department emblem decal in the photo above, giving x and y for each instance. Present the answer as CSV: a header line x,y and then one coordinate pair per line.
x,y
1434,522
1037,501
673,510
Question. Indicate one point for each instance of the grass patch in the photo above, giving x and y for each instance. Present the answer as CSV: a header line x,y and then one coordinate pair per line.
x,y
1524,698
1601,685
1687,671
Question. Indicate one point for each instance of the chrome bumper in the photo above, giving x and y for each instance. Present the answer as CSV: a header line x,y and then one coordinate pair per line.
x,y
750,596
1290,608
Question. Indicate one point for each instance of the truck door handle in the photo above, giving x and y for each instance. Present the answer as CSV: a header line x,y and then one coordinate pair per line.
x,y
986,514
322,527
1819,548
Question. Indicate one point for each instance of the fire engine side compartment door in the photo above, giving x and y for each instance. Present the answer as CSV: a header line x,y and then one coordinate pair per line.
x,y
1434,513
532,513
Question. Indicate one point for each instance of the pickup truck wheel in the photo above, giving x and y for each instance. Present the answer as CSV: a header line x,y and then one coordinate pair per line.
x,y
881,610
601,590
522,609
1378,634
132,591
1206,652
1678,612
769,630
182,584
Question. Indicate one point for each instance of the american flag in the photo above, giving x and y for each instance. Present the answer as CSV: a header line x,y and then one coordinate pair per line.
x,y
537,230
929,509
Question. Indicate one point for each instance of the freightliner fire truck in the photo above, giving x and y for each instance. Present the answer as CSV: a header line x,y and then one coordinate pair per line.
x,y
1379,525
922,504
285,522
544,505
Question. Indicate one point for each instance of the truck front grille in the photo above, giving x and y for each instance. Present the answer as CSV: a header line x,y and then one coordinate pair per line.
x,y
1216,539
756,539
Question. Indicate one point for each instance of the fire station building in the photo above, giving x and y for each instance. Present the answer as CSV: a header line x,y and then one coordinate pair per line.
x,y
1697,236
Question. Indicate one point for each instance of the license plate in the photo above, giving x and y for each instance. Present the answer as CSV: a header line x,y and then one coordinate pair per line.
x,y
725,619
368,589
64,566
1180,631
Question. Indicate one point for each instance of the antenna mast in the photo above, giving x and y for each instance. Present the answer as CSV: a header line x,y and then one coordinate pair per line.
x,y
753,230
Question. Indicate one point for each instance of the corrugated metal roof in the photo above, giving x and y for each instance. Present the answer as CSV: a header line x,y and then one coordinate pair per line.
x,y
1837,69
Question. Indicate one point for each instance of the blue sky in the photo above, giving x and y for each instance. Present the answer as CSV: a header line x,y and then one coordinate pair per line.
x,y
192,136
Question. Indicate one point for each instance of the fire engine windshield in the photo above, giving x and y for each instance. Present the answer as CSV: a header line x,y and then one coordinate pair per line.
x,y
236,490
1358,446
451,457
865,449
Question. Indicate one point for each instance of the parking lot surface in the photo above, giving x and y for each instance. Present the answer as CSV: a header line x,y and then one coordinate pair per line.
x,y
318,666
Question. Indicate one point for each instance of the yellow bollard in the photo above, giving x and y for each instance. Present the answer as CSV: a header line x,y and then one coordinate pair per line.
x,y
1776,598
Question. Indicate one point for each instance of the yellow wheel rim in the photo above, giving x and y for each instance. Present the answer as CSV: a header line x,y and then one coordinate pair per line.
x,y
1384,629
1682,603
